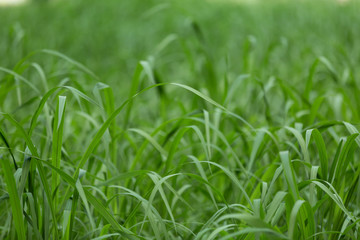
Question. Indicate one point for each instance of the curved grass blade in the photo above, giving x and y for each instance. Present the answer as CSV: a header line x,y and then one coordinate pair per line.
x,y
72,61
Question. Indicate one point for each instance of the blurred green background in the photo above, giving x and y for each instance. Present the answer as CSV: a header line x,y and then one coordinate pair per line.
x,y
111,36
205,44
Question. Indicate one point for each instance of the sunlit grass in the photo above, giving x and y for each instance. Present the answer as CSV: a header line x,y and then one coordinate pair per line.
x,y
11,2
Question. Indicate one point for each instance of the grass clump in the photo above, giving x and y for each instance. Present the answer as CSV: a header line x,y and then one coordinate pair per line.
x,y
161,123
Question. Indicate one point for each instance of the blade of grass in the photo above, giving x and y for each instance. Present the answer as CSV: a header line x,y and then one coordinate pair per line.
x,y
15,204
58,129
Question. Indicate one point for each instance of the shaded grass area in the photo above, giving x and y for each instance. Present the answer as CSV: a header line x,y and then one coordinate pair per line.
x,y
179,120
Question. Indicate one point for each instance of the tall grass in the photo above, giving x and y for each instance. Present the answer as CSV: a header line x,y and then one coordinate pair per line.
x,y
241,128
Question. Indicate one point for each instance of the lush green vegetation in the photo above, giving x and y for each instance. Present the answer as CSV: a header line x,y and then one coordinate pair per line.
x,y
179,120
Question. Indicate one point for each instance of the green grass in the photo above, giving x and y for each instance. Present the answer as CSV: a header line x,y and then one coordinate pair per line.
x,y
179,120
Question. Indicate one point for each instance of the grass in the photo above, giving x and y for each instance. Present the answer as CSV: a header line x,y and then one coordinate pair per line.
x,y
179,120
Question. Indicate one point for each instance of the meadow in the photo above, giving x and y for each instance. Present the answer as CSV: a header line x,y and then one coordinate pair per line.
x,y
180,119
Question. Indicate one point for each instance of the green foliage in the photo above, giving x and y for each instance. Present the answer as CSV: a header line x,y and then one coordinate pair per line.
x,y
179,120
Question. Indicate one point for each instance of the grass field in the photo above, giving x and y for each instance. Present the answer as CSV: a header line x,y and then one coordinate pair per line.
x,y
180,119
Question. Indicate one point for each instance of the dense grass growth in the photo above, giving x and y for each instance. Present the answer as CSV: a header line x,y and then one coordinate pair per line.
x,y
179,120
